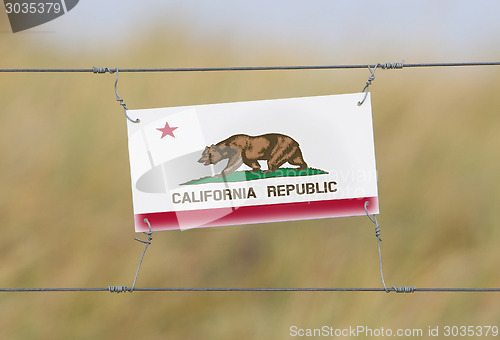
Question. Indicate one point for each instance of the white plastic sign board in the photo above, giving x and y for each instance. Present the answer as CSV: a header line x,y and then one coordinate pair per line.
x,y
252,162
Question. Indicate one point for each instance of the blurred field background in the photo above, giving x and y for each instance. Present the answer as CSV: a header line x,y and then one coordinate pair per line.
x,y
66,207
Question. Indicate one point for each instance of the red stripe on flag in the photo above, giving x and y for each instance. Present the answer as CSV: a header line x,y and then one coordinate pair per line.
x,y
255,214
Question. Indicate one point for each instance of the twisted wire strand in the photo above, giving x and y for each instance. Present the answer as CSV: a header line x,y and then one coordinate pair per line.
x,y
117,289
103,70
372,78
250,68
392,66
147,242
377,234
118,99
120,289
404,289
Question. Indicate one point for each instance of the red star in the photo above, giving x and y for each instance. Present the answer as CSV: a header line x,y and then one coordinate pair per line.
x,y
167,130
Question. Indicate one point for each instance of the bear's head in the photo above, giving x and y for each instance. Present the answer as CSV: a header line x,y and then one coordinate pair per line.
x,y
211,155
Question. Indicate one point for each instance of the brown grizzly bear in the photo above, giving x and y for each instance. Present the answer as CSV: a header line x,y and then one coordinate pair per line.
x,y
276,148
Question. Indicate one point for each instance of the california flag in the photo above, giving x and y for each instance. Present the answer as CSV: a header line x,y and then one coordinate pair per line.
x,y
252,162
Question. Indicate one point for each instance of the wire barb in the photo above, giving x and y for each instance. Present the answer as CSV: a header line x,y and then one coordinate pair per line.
x,y
404,289
102,70
392,66
118,289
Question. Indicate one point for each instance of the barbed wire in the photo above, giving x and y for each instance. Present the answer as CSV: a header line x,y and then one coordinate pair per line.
x,y
120,289
371,67
398,65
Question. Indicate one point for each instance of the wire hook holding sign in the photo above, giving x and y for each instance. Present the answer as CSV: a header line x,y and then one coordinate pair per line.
x,y
118,99
368,83
147,242
386,66
122,289
377,234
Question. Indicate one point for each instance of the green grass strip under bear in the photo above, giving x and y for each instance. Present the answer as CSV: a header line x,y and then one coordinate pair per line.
x,y
241,176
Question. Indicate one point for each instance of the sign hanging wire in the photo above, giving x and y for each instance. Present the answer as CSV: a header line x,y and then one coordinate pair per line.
x,y
373,218
118,98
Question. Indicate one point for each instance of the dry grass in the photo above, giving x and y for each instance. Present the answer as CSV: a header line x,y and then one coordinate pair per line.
x,y
66,211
